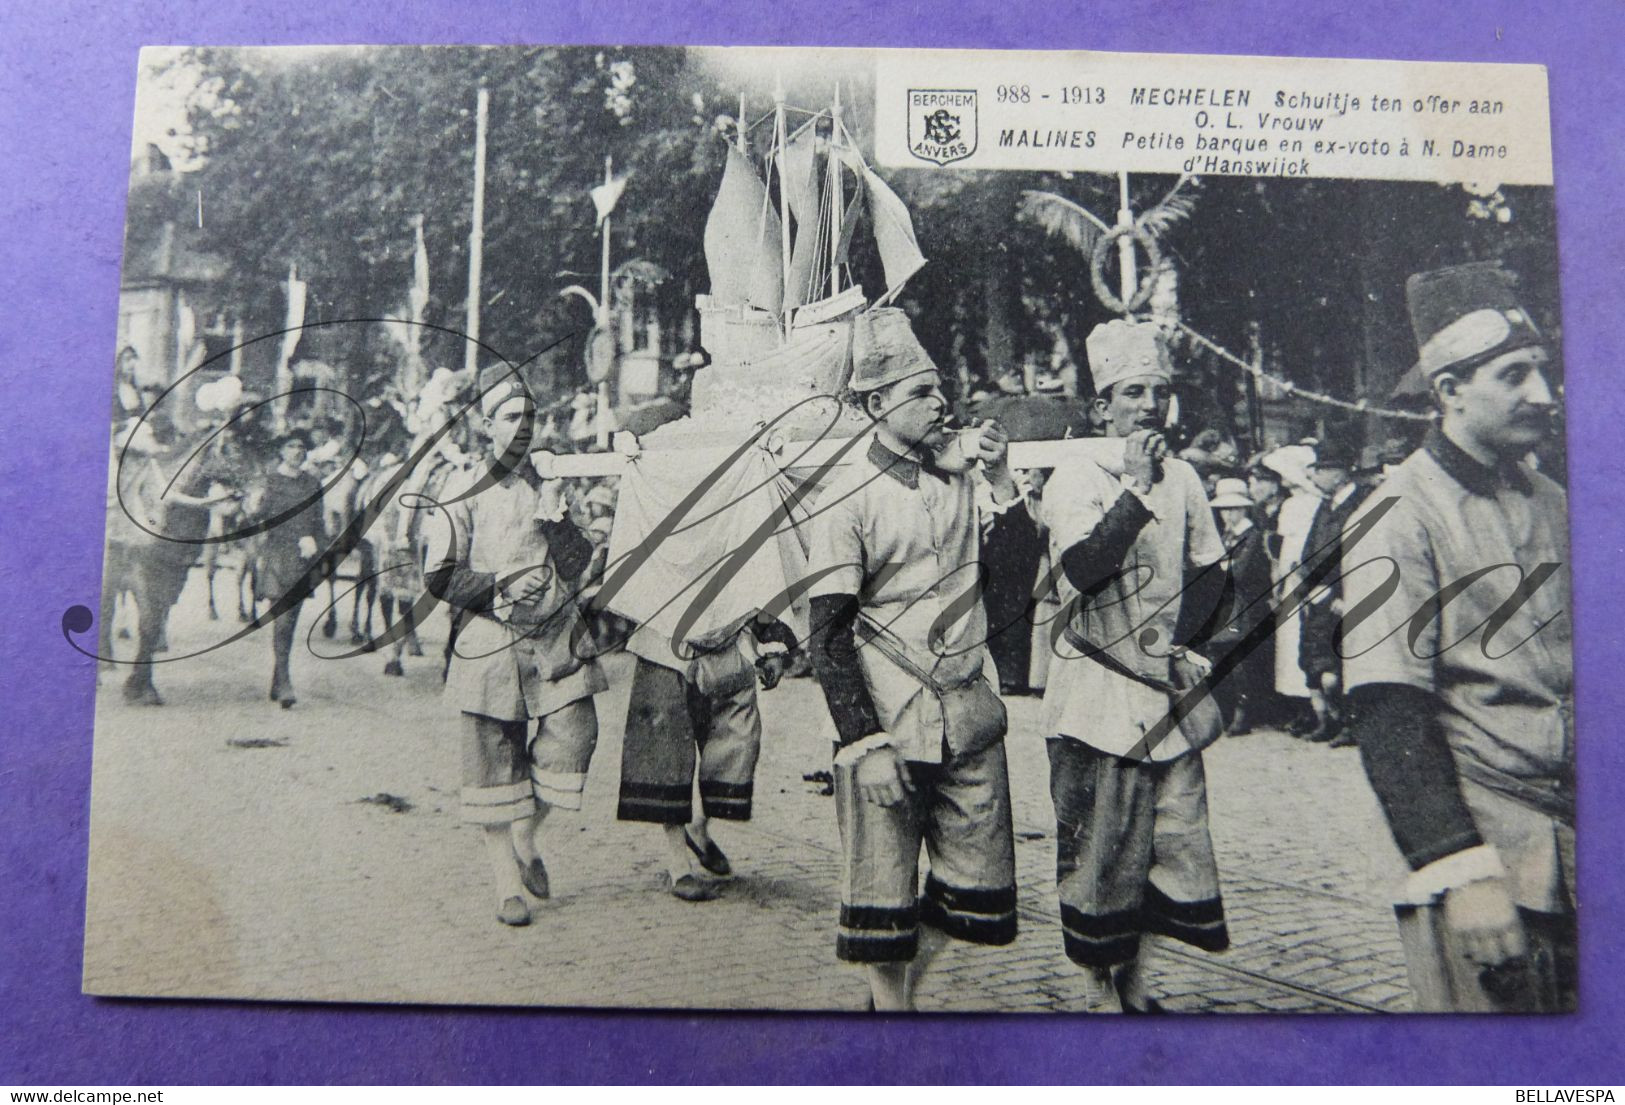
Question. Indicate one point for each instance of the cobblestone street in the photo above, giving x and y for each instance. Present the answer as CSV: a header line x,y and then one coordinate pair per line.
x,y
240,850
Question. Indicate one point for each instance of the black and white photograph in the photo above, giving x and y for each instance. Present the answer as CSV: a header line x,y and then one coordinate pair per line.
x,y
813,529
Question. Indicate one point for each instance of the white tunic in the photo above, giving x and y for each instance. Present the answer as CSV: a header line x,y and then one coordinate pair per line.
x,y
1133,616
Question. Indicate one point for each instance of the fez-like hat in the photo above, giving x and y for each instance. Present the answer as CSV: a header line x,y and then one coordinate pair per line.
x,y
1463,316
498,383
1230,493
885,350
1121,350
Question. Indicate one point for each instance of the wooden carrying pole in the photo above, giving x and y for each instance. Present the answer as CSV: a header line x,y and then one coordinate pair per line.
x,y
798,455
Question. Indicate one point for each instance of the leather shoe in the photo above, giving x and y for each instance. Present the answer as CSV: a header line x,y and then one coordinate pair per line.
x,y
1325,731
514,912
710,857
1152,1005
534,876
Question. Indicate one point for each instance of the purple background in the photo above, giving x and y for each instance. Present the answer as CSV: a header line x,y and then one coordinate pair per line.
x,y
66,89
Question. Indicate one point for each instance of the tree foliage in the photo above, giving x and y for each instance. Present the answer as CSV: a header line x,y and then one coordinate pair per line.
x,y
322,161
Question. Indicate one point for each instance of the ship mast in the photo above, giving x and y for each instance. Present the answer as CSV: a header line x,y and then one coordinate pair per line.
x,y
835,197
779,159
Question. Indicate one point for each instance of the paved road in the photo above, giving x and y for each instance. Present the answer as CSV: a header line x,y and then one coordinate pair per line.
x,y
315,854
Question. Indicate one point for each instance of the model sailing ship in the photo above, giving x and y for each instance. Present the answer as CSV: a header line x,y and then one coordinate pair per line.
x,y
778,322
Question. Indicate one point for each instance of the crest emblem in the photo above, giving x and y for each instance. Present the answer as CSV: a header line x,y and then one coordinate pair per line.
x,y
942,124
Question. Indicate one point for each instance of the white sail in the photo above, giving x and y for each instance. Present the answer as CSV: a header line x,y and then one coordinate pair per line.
x,y
798,163
742,249
900,252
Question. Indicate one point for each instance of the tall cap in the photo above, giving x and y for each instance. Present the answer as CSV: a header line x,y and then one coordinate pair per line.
x,y
885,350
1121,350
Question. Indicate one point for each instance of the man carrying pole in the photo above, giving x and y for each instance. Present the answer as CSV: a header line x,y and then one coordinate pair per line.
x,y
898,546
1134,856
508,555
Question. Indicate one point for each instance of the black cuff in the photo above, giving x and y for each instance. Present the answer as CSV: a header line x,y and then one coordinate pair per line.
x,y
1099,556
568,546
1412,770
463,588
773,631
833,647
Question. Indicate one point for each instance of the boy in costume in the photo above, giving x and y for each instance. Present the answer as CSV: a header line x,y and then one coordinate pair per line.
x,y
899,542
504,551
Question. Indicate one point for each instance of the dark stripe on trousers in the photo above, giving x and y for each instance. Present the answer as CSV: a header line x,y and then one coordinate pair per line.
x,y
661,803
666,792
1100,939
877,934
879,918
725,809
661,813
1100,953
870,948
727,801
974,928
713,788
976,915
1198,923
970,900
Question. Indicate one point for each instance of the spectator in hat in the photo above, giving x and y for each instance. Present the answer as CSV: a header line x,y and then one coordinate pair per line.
x,y
1333,474
1265,490
1242,693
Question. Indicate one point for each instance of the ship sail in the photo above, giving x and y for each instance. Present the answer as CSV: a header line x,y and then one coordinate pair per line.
x,y
900,252
777,324
742,240
798,164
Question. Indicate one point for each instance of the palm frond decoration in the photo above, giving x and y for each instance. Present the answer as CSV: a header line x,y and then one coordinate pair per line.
x,y
1060,217
1171,210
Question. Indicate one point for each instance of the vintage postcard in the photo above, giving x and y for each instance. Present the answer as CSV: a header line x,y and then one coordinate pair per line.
x,y
835,530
